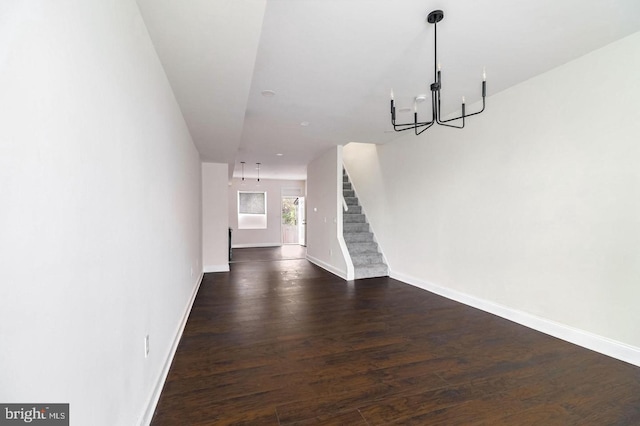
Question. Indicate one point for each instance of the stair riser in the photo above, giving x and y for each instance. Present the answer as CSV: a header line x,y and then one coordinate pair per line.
x,y
371,271
362,248
355,227
366,259
353,210
358,237
351,201
353,218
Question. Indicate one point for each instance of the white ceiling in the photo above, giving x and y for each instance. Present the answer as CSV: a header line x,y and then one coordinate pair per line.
x,y
332,64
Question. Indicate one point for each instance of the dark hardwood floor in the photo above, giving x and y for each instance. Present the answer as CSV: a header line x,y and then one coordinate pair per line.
x,y
268,254
286,343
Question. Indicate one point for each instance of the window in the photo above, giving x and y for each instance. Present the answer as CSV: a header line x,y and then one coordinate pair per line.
x,y
252,210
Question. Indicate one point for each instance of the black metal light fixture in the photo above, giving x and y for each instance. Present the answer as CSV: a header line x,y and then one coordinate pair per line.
x,y
242,162
436,114
258,164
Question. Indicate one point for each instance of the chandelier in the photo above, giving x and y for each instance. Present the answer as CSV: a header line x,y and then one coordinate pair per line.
x,y
436,114
257,168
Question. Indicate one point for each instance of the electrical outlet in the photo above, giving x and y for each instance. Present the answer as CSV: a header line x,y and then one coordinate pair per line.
x,y
146,346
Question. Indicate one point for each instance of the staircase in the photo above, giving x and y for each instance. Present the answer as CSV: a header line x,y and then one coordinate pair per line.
x,y
367,259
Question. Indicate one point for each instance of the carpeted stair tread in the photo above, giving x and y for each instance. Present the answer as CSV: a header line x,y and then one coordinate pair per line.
x,y
353,218
353,209
358,237
355,228
351,201
362,247
366,259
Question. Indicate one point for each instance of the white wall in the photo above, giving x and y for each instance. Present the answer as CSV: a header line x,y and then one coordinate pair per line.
x,y
271,236
324,213
532,210
100,217
215,220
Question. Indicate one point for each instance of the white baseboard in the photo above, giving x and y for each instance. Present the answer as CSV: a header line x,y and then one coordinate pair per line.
x,y
216,268
330,268
157,390
603,345
252,245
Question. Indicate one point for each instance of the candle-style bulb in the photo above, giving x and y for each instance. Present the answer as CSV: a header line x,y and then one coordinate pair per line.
x,y
463,99
391,94
484,74
439,66
415,106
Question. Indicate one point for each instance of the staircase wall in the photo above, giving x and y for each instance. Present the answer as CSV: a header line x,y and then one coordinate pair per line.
x,y
325,244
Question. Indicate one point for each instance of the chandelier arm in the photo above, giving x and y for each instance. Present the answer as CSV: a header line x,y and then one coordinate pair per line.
x,y
453,119
408,126
412,125
416,125
466,115
443,122
421,123
403,127
453,125
419,132
476,113
433,114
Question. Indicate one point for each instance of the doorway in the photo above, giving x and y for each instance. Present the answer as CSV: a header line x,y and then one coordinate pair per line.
x,y
293,220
